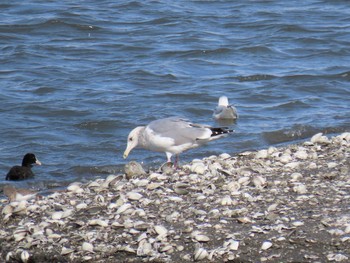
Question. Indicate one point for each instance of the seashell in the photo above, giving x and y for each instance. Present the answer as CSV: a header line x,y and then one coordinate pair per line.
x,y
134,196
122,209
132,169
233,186
161,230
144,248
226,200
166,248
285,158
298,223
266,245
75,188
8,209
181,188
201,238
54,236
9,256
245,180
301,154
232,244
140,182
86,246
345,136
93,184
347,229
272,207
19,236
296,176
198,168
66,251
224,156
332,165
21,207
292,165
300,189
143,226
158,176
200,254
98,222
117,225
57,215
262,154
167,168
25,256
153,186
259,181
319,138
99,199
81,206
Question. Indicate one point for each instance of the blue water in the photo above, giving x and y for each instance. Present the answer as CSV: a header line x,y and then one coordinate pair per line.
x,y
77,76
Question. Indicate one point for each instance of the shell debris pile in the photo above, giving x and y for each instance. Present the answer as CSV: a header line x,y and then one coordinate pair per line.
x,y
280,204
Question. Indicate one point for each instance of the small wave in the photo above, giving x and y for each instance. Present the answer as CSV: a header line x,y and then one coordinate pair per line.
x,y
296,132
256,77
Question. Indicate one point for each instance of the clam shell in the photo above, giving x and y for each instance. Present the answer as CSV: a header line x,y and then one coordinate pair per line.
x,y
266,245
200,254
134,196
87,247
161,230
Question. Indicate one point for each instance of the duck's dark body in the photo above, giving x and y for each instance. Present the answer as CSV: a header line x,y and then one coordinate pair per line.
x,y
25,171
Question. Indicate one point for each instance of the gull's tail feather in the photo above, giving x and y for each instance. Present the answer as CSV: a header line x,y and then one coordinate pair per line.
x,y
220,131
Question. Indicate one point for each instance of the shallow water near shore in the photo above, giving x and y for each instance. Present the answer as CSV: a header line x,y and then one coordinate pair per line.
x,y
76,78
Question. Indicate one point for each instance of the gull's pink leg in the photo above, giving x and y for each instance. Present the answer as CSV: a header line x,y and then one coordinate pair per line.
x,y
176,161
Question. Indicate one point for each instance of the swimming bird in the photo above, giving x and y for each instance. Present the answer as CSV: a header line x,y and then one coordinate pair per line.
x,y
225,111
172,135
25,171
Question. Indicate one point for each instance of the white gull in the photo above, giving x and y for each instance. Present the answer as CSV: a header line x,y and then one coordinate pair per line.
x,y
225,111
172,135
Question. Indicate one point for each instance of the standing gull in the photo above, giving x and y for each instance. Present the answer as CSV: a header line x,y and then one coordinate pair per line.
x,y
225,111
173,136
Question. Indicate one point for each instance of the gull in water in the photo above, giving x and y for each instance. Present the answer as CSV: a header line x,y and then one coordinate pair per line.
x,y
225,111
173,136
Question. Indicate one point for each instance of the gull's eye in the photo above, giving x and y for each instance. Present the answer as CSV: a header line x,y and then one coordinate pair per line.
x,y
130,139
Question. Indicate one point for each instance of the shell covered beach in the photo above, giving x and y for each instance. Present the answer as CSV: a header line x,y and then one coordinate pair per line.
x,y
286,204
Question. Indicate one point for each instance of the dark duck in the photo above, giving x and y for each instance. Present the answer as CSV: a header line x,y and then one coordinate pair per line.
x,y
25,171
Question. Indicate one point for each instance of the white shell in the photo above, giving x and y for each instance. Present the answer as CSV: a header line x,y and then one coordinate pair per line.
x,y
262,154
7,210
161,230
75,188
266,245
198,168
87,247
25,256
226,200
134,196
124,208
200,254
98,222
201,238
319,138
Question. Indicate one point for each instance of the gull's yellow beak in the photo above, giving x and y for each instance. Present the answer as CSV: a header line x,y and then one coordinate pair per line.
x,y
126,153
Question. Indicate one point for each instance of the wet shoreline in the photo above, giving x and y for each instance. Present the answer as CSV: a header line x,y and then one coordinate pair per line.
x,y
285,204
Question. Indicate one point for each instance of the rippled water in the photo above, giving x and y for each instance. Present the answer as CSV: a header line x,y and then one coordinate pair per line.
x,y
77,76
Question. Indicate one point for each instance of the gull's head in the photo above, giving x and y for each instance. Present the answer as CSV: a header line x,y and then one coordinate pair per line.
x,y
223,101
133,140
